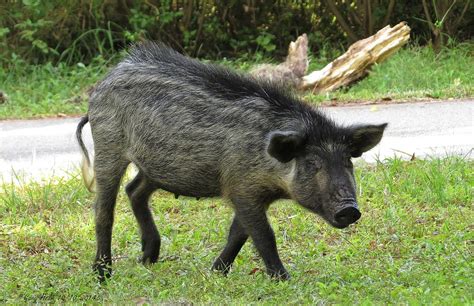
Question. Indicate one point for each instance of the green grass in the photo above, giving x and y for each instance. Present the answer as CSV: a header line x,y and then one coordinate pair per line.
x,y
412,73
413,245
44,91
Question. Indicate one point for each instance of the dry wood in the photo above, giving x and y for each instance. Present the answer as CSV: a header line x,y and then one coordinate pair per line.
x,y
355,63
292,70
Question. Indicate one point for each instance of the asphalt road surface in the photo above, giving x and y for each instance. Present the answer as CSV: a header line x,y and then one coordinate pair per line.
x,y
41,148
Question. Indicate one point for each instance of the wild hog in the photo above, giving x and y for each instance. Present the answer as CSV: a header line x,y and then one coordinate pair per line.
x,y
201,130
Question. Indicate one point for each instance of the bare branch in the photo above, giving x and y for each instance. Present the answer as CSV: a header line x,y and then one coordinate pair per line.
x,y
446,12
464,10
353,14
332,6
435,8
201,19
370,21
188,9
428,17
391,5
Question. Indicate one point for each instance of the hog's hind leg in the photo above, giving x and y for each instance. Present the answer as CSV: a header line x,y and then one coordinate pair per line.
x,y
108,171
139,191
236,239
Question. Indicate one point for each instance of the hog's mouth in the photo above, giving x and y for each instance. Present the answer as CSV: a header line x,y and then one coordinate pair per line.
x,y
346,214
340,216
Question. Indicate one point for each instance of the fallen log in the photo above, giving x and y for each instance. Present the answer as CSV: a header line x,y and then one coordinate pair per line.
x,y
356,62
292,70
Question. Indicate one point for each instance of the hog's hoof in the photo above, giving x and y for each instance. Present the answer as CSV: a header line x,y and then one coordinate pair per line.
x,y
221,266
279,275
151,251
149,258
103,270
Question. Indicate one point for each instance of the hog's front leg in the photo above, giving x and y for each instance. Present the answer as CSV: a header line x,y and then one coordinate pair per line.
x,y
236,239
253,219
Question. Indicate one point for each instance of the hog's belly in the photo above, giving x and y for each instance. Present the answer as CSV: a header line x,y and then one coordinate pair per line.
x,y
182,174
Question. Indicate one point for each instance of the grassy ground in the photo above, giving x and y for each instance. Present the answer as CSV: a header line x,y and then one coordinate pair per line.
x,y
413,73
413,245
43,91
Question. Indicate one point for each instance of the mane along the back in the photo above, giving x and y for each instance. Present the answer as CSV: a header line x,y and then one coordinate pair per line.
x,y
221,81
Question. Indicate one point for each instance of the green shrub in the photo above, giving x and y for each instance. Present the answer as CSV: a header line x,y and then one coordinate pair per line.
x,y
78,31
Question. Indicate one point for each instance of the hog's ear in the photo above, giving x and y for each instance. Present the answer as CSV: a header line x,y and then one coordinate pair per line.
x,y
365,137
285,145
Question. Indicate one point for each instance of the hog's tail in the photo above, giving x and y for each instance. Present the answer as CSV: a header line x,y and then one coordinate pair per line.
x,y
87,168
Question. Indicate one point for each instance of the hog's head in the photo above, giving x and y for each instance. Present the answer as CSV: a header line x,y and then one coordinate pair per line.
x,y
318,169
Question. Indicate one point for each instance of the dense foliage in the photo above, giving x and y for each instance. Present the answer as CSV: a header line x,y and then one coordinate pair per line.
x,y
77,31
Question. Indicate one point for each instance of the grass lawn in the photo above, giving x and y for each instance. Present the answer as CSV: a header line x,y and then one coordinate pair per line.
x,y
412,73
413,245
45,91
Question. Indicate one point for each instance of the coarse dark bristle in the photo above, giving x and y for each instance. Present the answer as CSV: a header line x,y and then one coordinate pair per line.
x,y
232,85
224,82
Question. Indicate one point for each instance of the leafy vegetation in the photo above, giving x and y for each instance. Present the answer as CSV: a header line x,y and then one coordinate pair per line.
x,y
413,245
77,31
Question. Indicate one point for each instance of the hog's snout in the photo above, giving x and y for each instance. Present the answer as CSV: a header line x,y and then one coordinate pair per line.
x,y
347,215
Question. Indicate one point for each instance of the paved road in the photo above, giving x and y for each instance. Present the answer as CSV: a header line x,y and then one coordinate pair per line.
x,y
40,148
